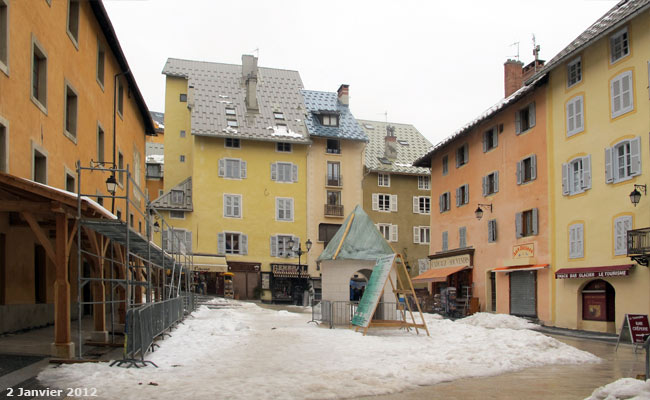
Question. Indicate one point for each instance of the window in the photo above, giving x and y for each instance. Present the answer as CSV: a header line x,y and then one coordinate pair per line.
x,y
182,98
283,147
181,158
177,240
621,93
154,171
333,146
462,155
421,235
39,164
120,98
525,118
526,223
384,202
422,204
326,232
175,214
232,168
230,111
383,180
232,207
445,165
101,62
177,197
492,231
619,45
4,144
574,72
388,231
4,36
491,183
621,226
232,143
137,172
73,21
278,115
70,185
70,112
623,160
574,116
284,209
329,120
232,243
445,202
445,241
284,172
576,241
232,123
333,197
527,170
39,76
333,173
424,182
490,139
182,133
120,166
100,143
280,245
462,237
576,175
462,195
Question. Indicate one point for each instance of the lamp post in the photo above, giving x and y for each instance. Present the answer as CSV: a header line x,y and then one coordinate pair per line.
x,y
635,196
299,251
479,210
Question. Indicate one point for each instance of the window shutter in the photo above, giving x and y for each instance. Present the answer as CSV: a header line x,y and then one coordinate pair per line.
x,y
570,117
586,172
441,202
466,152
226,204
296,240
565,179
492,230
535,223
221,243
533,167
519,170
485,141
188,241
580,241
375,202
517,123
243,249
457,160
496,181
531,114
416,205
165,240
609,166
462,237
458,197
579,124
485,189
242,169
466,193
445,240
393,233
572,241
274,172
416,234
274,246
294,173
495,142
635,156
393,202
615,87
519,225
222,167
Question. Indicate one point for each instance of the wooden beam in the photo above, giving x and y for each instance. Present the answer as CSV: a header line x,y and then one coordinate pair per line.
x,y
40,235
25,206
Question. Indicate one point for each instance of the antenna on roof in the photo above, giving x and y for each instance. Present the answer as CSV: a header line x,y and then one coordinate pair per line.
x,y
535,49
257,52
516,44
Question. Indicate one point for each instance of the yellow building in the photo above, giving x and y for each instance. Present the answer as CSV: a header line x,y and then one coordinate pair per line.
x,y
155,158
598,123
236,172
62,72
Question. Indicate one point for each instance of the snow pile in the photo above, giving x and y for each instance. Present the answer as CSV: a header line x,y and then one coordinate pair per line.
x,y
625,388
493,321
243,351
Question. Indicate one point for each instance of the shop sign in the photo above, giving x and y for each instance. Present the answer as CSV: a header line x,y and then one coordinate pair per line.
x,y
592,274
523,250
635,327
423,265
289,270
456,261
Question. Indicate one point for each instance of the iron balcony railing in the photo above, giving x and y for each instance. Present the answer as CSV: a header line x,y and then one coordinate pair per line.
x,y
334,180
638,242
335,210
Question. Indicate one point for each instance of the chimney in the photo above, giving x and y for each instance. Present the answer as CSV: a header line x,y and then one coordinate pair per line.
x,y
531,69
190,97
390,143
249,76
344,94
513,76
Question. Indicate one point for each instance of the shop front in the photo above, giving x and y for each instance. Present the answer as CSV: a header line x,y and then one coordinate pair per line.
x,y
245,279
208,273
288,283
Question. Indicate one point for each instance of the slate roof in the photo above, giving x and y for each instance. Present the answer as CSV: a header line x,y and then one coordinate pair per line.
x,y
410,145
612,20
219,85
316,102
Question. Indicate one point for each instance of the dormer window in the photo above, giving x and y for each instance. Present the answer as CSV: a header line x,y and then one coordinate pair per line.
x,y
403,142
278,115
230,111
329,120
233,123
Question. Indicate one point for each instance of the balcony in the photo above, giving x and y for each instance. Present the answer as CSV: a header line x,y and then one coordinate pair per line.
x,y
333,210
334,180
638,245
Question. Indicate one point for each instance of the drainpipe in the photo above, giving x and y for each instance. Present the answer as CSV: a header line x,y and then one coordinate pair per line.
x,y
114,142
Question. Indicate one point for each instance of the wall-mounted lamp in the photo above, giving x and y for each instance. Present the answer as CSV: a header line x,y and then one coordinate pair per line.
x,y
156,227
479,210
111,184
635,196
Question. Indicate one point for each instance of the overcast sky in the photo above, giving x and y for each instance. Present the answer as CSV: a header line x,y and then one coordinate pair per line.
x,y
433,64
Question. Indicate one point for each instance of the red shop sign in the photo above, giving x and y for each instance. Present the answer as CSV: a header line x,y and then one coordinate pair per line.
x,y
635,327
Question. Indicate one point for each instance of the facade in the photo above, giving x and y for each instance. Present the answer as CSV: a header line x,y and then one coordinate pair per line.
x,y
335,165
236,171
396,195
496,163
155,158
62,71
599,116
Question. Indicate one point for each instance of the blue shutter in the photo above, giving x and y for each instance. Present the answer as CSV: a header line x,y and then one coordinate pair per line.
x,y
609,165
635,156
221,243
445,241
274,172
242,169
533,167
519,224
222,167
519,172
531,115
243,244
535,223
586,172
565,179
294,173
496,181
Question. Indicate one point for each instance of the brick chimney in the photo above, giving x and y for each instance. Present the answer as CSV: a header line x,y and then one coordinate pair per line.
x,y
344,94
390,143
249,75
513,76
531,69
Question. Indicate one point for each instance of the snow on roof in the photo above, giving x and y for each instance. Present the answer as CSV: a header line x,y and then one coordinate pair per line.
x,y
155,159
282,131
74,196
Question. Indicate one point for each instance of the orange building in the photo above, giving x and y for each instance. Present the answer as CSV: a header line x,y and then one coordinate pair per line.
x,y
495,166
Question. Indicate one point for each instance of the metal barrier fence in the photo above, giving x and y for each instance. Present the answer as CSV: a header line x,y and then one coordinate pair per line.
x,y
341,312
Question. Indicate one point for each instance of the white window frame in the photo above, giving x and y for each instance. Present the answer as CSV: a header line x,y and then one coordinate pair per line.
x,y
622,224
576,176
574,72
631,158
284,206
279,244
287,168
232,203
384,202
390,230
622,95
174,193
625,45
575,121
224,166
242,243
424,182
73,21
420,233
228,111
383,180
422,205
173,217
576,240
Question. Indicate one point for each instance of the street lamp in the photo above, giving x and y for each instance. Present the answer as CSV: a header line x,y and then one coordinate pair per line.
x,y
479,211
635,196
299,251
111,184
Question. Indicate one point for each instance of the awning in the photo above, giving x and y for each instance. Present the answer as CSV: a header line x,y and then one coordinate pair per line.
x,y
437,274
594,272
210,264
521,268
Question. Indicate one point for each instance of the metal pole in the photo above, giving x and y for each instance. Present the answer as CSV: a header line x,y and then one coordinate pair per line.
x,y
79,259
